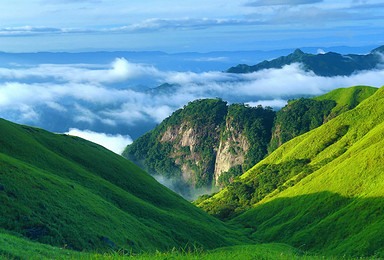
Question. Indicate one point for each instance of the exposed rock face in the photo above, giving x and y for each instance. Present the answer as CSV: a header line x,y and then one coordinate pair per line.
x,y
203,141
187,141
232,149
229,149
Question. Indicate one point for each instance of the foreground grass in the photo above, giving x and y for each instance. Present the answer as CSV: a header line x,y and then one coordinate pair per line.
x,y
260,251
12,247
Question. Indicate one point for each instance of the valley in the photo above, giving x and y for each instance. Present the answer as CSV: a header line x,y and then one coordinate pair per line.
x,y
195,129
241,181
66,192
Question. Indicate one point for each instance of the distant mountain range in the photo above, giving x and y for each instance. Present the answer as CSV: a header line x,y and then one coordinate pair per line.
x,y
325,64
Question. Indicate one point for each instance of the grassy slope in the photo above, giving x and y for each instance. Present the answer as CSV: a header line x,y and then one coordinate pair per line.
x,y
13,247
63,190
337,209
347,98
19,248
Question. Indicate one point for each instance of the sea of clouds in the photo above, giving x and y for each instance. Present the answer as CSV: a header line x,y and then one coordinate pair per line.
x,y
105,103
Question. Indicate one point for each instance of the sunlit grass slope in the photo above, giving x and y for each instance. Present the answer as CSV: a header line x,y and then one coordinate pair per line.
x,y
337,208
65,191
347,98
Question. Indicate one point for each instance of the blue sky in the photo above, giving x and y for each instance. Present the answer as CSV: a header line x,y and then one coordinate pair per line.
x,y
188,25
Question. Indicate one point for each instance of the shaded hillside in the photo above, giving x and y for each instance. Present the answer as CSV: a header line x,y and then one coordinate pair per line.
x,y
328,64
65,191
203,141
324,191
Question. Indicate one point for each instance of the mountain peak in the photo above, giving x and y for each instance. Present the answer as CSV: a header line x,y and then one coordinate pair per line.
x,y
298,51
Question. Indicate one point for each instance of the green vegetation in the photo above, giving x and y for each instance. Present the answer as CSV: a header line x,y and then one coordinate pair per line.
x,y
186,145
332,201
17,248
65,191
299,117
241,194
13,247
320,192
191,137
347,98
328,64
156,155
304,114
257,123
167,149
227,177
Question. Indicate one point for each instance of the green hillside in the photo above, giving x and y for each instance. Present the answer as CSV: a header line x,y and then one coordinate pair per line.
x,y
68,192
328,64
324,191
304,114
347,98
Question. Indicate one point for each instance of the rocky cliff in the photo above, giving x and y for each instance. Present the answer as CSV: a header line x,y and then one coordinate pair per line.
x,y
232,150
205,144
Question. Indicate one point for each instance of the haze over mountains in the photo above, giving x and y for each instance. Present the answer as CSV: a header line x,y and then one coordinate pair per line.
x,y
126,81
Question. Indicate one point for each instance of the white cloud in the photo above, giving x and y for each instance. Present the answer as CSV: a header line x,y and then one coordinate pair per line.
x,y
94,103
187,23
39,30
275,103
115,143
320,51
119,70
56,106
28,114
146,25
84,114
